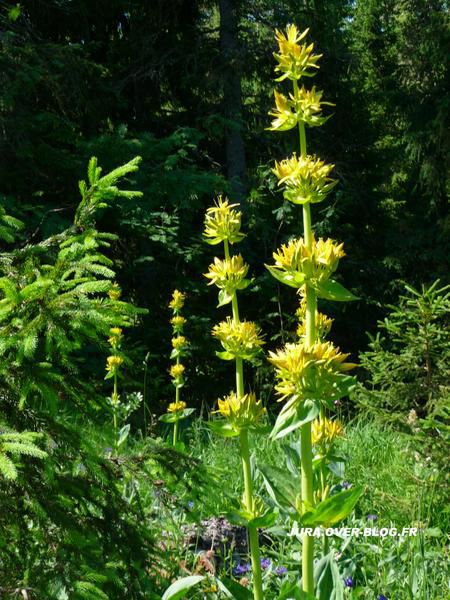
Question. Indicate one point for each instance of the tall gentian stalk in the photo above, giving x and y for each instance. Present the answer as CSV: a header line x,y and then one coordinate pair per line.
x,y
311,372
241,341
114,361
177,410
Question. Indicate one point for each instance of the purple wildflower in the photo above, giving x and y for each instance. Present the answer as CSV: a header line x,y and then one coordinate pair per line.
x,y
382,597
346,485
372,517
280,570
348,582
241,569
265,563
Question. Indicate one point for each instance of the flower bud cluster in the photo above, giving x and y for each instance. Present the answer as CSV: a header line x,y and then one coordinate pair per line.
x,y
179,341
242,413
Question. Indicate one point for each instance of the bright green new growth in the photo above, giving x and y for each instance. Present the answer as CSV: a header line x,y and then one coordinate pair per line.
x,y
14,445
311,373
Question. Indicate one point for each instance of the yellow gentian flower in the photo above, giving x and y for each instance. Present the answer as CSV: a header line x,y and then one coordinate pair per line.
x,y
177,301
308,371
113,362
179,342
295,60
305,178
175,407
325,431
223,223
239,340
228,274
296,264
243,412
115,292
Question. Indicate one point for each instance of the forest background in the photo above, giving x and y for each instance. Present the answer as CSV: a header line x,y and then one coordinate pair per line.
x,y
187,85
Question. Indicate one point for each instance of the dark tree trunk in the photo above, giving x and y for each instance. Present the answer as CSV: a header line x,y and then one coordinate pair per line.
x,y
232,96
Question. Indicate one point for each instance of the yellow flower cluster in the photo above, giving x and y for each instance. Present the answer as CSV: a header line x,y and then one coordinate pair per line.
x,y
242,413
177,371
308,371
115,292
179,342
325,431
240,340
295,263
228,274
178,323
306,179
223,223
177,301
113,363
295,60
175,407
305,107
115,337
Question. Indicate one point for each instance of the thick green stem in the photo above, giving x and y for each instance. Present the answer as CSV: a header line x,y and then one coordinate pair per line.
x,y
305,431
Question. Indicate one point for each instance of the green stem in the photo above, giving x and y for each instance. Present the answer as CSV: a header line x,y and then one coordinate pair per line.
x,y
176,424
115,401
255,553
305,430
323,484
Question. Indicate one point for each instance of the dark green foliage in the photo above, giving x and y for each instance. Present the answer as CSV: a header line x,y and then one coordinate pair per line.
x,y
73,523
408,362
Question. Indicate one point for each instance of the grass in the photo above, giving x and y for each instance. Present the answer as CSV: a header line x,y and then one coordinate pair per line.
x,y
400,490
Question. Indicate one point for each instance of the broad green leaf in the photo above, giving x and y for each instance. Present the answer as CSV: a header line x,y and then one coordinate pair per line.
x,y
283,490
169,418
225,355
223,428
224,298
328,581
292,591
293,416
295,279
180,588
332,290
237,591
333,509
268,519
123,434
